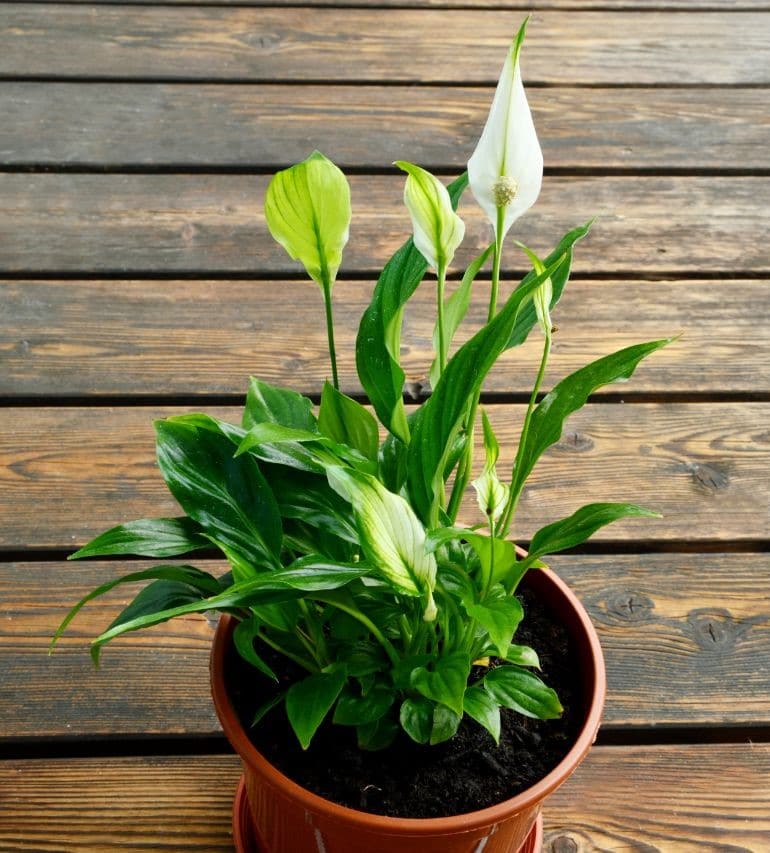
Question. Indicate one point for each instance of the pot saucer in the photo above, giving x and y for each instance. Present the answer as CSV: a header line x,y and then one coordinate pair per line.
x,y
246,840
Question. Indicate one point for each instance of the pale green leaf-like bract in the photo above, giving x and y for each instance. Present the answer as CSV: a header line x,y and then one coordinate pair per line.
x,y
307,208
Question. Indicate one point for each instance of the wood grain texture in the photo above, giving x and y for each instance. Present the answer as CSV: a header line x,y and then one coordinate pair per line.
x,y
680,633
674,799
205,126
498,5
274,44
206,224
63,338
67,474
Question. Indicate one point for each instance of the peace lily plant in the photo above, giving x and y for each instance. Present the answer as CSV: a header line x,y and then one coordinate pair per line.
x,y
345,551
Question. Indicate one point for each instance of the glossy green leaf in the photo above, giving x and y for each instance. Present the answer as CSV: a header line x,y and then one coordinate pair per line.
x,y
307,208
568,396
310,499
205,583
438,420
345,421
481,707
457,307
244,635
416,718
306,575
310,700
445,681
355,709
522,691
267,403
148,537
377,735
379,334
445,724
500,616
582,524
522,656
496,556
228,497
267,706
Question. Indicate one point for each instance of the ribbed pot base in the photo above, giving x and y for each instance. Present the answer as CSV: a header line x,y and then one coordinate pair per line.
x,y
246,840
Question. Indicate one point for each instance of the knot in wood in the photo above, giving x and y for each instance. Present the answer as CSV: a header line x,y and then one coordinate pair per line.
x,y
563,844
713,629
575,442
709,478
630,606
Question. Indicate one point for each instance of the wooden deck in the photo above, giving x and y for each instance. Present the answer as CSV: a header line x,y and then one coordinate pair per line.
x,y
137,279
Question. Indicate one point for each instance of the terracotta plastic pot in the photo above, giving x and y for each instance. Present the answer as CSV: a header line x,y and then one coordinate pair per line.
x,y
289,819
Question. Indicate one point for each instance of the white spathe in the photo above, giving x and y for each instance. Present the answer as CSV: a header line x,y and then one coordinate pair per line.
x,y
507,166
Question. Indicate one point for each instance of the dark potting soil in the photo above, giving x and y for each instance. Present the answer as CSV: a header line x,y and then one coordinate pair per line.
x,y
467,773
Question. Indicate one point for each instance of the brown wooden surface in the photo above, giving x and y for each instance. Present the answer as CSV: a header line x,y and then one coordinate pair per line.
x,y
134,292
201,224
700,616
625,800
156,337
271,44
69,473
181,125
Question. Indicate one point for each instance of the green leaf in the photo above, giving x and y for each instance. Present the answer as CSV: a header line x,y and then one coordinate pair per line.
x,y
438,420
379,334
445,724
522,656
500,617
148,537
392,459
187,575
309,701
496,556
348,422
310,499
229,498
306,575
267,706
446,681
457,307
582,524
568,396
307,208
416,717
527,315
481,707
267,403
522,691
355,709
244,635
392,538
377,735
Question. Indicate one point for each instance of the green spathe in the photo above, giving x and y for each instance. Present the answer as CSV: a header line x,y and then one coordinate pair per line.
x,y
307,208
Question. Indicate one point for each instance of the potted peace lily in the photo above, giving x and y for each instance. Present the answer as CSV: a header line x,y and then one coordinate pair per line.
x,y
362,617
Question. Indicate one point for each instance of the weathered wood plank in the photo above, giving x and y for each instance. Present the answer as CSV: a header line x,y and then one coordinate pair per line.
x,y
205,337
273,44
66,474
673,799
214,224
498,5
135,125
679,632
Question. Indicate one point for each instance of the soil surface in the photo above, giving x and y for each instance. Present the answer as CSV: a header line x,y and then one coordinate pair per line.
x,y
467,773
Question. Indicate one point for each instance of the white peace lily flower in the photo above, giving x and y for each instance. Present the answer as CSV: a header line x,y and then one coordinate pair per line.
x,y
506,169
438,230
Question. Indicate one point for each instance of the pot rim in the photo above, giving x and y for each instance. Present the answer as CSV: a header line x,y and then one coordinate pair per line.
x,y
595,678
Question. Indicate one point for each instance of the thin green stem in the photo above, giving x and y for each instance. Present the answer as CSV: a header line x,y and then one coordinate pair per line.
x,y
310,666
465,465
366,622
499,237
442,341
513,497
327,288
